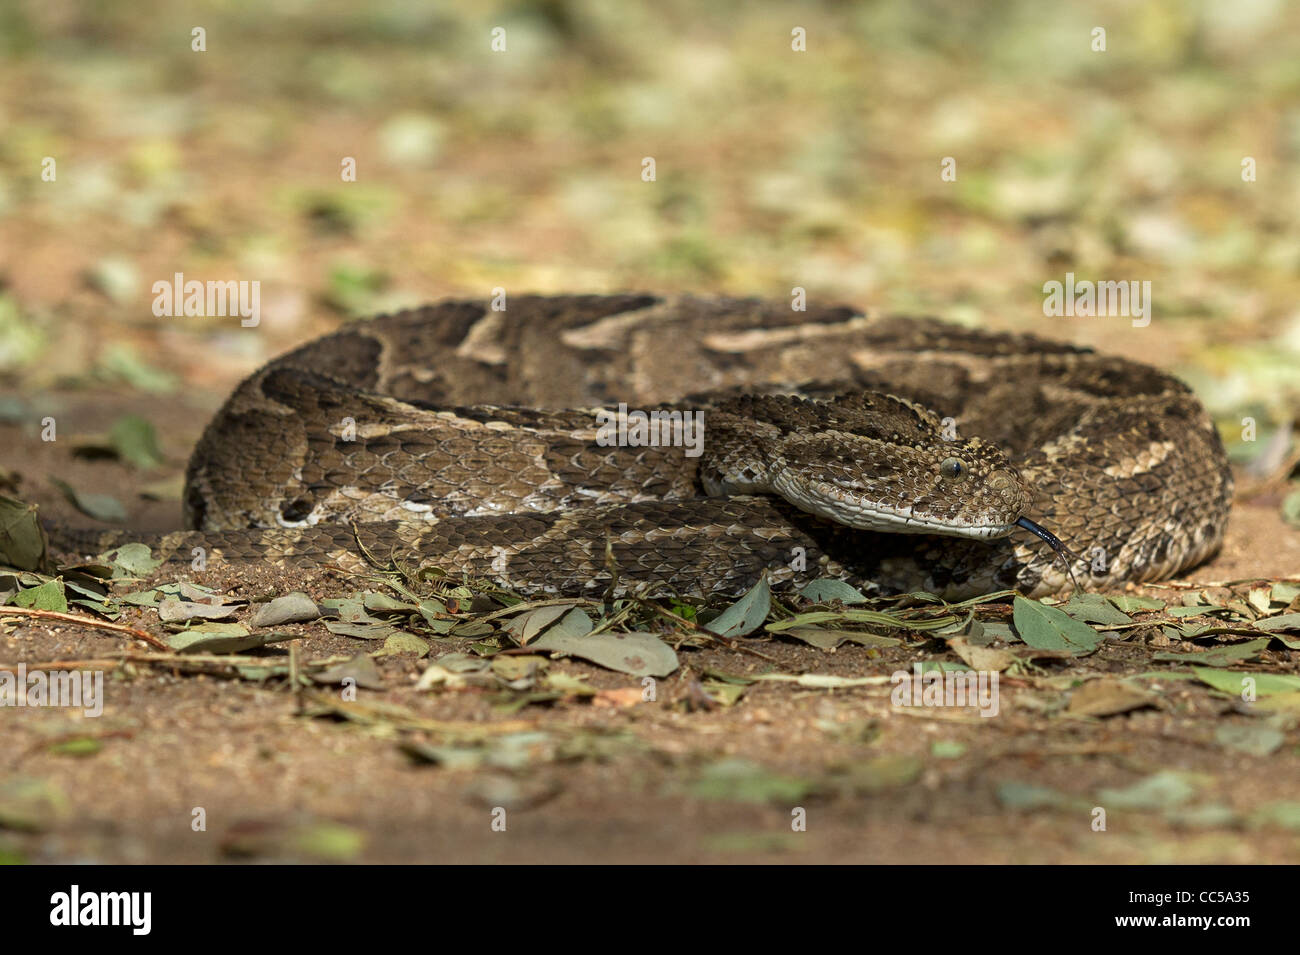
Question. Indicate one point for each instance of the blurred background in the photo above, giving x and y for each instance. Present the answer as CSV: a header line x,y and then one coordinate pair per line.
x,y
522,168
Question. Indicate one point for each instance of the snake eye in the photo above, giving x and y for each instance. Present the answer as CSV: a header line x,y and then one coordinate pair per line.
x,y
952,470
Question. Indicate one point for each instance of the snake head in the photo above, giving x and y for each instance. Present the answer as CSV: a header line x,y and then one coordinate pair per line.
x,y
958,489
873,462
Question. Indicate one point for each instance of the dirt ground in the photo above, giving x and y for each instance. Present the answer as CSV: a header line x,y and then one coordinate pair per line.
x,y
652,781
133,149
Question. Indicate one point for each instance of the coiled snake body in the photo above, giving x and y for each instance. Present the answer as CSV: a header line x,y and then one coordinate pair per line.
x,y
894,453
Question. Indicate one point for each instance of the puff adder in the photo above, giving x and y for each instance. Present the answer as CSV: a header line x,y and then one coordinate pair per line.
x,y
896,453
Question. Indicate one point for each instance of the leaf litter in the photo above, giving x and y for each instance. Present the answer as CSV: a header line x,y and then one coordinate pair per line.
x,y
482,639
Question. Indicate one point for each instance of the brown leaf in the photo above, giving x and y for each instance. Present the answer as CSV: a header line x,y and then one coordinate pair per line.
x,y
981,658
1107,698
623,696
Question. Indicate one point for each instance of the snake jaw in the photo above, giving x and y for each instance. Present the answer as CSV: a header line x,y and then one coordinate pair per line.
x,y
829,501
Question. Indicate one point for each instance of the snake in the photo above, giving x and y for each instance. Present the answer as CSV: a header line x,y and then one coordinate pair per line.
x,y
683,445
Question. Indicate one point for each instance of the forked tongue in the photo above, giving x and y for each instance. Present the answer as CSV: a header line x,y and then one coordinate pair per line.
x,y
1066,555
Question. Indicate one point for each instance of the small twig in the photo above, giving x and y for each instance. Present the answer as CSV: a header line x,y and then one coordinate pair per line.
x,y
699,631
64,665
147,637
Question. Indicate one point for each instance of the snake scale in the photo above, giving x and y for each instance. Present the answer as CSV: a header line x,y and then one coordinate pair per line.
x,y
895,453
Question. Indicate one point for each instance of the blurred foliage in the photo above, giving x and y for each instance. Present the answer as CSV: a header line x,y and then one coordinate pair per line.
x,y
774,168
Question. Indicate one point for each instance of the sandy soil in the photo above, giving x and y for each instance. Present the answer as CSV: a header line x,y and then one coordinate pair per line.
x,y
271,781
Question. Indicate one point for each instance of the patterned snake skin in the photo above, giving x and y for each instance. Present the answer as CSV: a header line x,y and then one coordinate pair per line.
x,y
422,437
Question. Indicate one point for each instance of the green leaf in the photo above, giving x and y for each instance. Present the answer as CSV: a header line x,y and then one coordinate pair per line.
x,y
78,746
48,596
830,639
947,749
1285,814
383,603
739,780
294,607
172,610
1157,791
1284,592
117,276
31,805
363,629
361,670
22,340
1254,739
1221,656
121,361
530,623
828,588
1286,621
132,560
221,638
1094,608
404,643
329,841
22,539
812,618
1027,796
1196,610
1234,681
575,623
1130,604
1205,816
135,441
745,615
640,654
889,771
102,507
1048,628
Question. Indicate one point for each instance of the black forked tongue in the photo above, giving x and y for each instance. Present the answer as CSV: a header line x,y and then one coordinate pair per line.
x,y
1066,555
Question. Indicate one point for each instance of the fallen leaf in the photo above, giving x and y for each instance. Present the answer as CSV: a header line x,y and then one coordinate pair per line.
x,y
620,698
1157,791
745,615
1107,697
361,670
1255,739
641,654
981,658
296,607
1049,628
